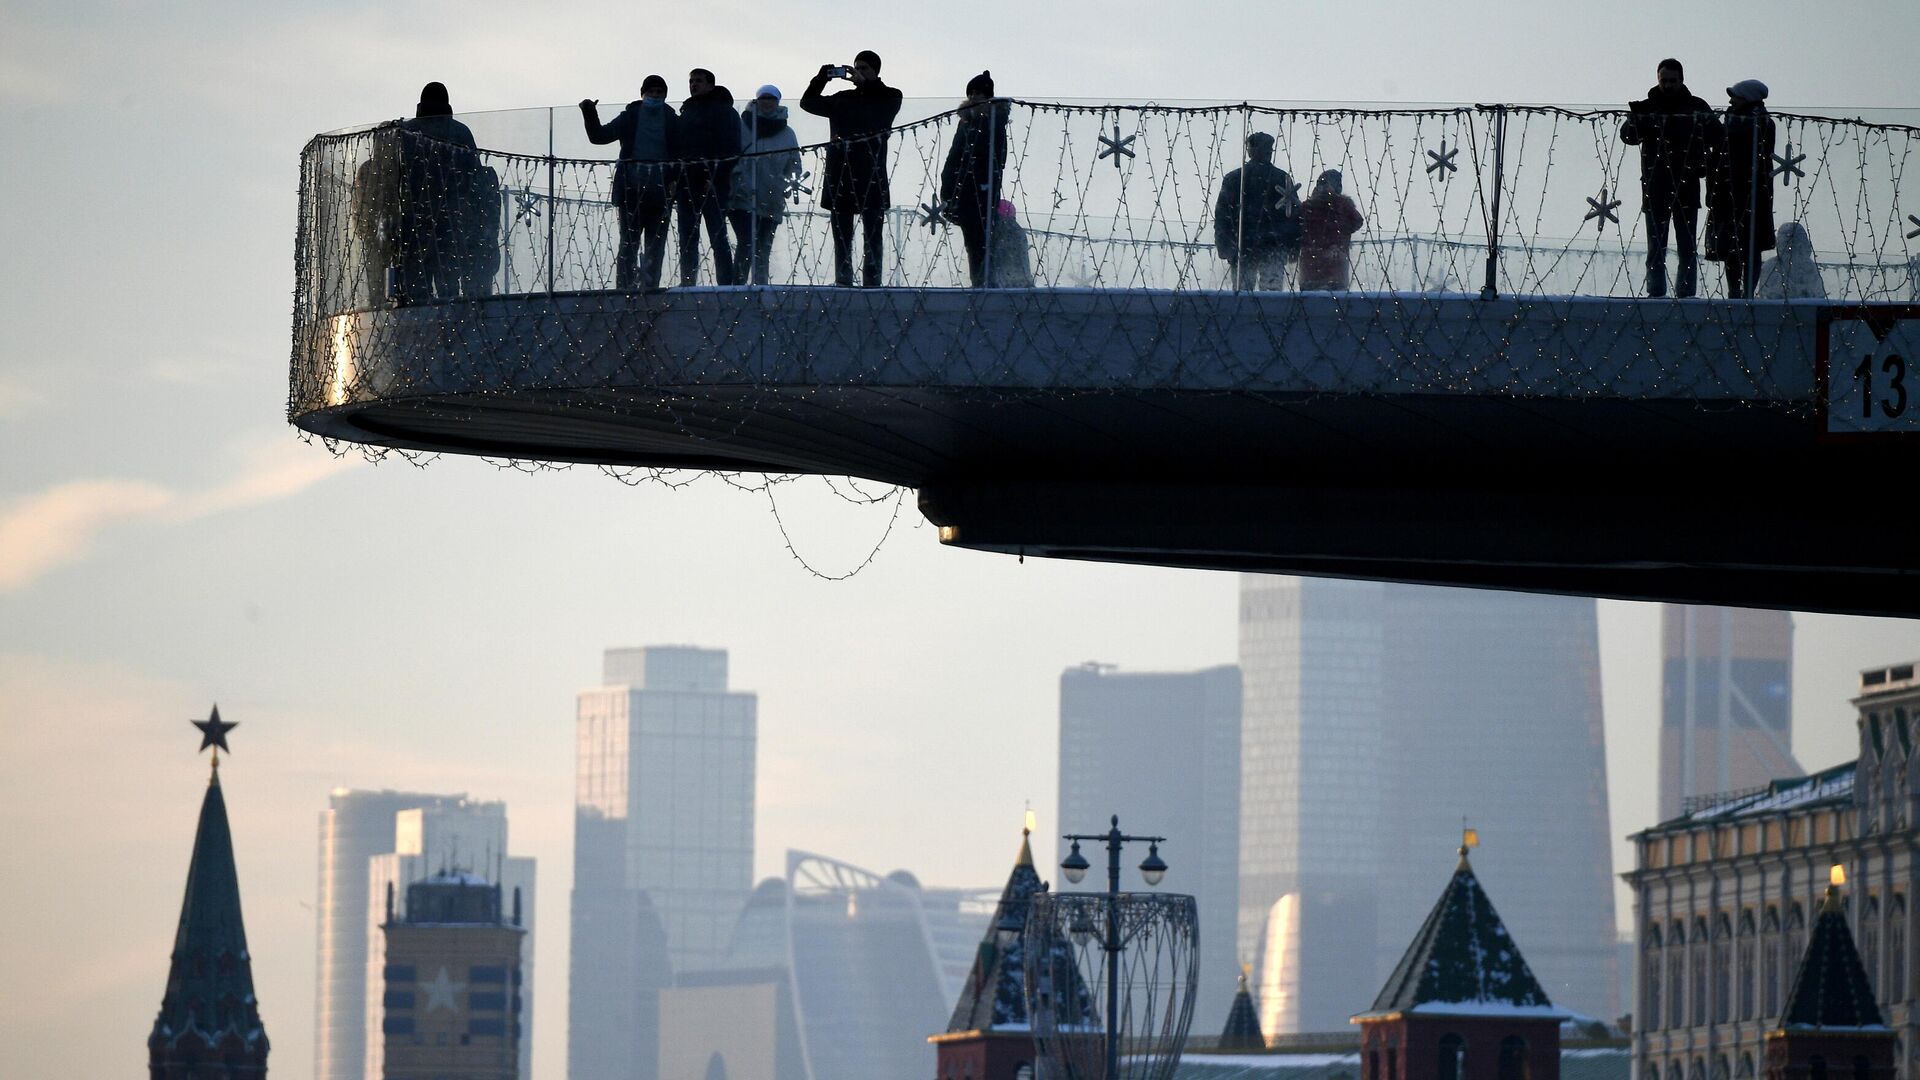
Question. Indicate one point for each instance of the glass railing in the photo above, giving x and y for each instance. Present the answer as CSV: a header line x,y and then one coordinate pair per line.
x,y
1500,200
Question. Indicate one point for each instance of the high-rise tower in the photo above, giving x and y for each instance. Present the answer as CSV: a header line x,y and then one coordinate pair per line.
x,y
209,1024
368,839
663,845
452,1004
1376,717
1162,750
1726,702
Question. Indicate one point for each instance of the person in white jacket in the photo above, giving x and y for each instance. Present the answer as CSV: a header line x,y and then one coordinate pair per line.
x,y
768,169
1791,274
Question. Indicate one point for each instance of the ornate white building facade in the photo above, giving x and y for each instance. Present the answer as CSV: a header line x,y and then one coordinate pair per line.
x,y
1724,894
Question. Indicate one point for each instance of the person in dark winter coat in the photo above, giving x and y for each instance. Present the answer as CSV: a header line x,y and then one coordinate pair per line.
x,y
1740,187
1256,218
709,148
438,238
1675,131
970,182
1012,264
648,131
1328,220
770,160
856,181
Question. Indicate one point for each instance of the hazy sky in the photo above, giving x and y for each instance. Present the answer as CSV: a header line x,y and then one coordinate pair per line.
x,y
166,541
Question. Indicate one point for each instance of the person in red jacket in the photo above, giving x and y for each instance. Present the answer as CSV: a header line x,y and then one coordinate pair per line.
x,y
1328,221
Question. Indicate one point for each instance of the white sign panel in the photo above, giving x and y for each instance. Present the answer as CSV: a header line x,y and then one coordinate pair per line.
x,y
1871,358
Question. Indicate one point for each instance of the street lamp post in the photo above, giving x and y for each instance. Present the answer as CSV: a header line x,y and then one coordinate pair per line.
x,y
1152,869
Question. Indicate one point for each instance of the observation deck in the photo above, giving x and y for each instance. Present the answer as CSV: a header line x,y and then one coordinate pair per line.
x,y
1491,403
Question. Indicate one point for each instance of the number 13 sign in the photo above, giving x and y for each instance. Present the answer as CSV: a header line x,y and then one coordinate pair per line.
x,y
1869,359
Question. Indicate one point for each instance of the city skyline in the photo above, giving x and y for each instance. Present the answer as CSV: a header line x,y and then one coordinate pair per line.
x,y
167,542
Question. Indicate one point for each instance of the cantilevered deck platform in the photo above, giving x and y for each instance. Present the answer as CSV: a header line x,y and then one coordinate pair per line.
x,y
1695,450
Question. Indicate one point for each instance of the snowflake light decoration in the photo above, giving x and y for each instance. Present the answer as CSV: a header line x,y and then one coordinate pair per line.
x,y
1116,147
1287,199
1442,162
933,215
794,185
1788,164
1915,234
1602,208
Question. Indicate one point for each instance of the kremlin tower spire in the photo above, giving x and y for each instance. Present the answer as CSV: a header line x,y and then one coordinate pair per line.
x,y
209,1023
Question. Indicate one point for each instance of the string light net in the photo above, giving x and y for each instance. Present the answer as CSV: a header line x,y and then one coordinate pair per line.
x,y
1501,252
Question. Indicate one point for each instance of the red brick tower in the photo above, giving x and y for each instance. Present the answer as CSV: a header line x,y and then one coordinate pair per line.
x,y
1462,1003
990,1036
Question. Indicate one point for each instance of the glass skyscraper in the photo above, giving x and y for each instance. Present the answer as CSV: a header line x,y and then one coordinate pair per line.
x,y
1726,702
1378,719
1162,750
663,845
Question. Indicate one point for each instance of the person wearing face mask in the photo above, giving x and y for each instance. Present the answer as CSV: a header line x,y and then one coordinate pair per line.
x,y
709,145
970,182
1673,130
856,168
648,131
1740,187
770,159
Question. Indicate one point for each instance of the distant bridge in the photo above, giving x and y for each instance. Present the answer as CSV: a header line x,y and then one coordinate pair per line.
x,y
1491,404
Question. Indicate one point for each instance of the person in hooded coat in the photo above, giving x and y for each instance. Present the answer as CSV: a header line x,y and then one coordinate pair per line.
x,y
1256,218
856,169
1740,187
1328,220
709,149
436,237
1012,264
769,162
648,131
1674,131
1792,273
970,182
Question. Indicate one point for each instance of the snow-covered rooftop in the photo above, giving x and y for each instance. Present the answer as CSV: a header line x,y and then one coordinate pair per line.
x,y
1829,785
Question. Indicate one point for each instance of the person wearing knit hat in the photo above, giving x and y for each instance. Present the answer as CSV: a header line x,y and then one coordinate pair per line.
x,y
855,181
438,166
1740,187
1256,218
1674,131
768,168
648,132
976,161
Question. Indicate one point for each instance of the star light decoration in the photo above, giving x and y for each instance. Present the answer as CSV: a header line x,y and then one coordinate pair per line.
x,y
1788,164
1602,208
1116,147
1442,162
526,205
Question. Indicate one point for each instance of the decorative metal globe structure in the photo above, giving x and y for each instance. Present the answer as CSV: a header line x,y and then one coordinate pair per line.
x,y
1140,995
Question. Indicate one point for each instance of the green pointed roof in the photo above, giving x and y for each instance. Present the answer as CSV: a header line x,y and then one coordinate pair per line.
x,y
994,995
210,980
1243,1022
1831,989
1463,962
